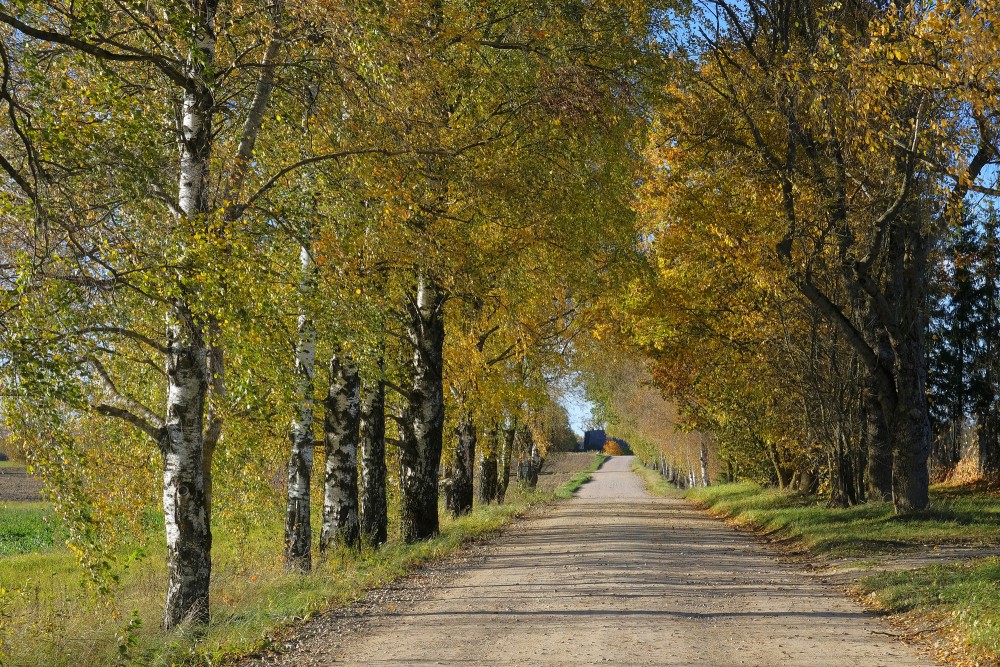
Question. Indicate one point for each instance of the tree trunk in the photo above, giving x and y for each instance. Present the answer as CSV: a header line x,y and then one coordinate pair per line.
x,y
807,479
988,443
782,473
487,478
911,437
910,429
185,501
529,462
842,491
878,467
703,458
374,506
503,462
298,528
423,419
460,500
340,432
189,535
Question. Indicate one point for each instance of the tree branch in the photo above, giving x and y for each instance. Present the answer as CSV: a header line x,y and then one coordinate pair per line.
x,y
130,54
125,407
399,390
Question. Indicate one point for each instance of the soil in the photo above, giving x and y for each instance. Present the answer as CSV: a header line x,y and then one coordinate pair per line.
x,y
16,485
559,468
612,576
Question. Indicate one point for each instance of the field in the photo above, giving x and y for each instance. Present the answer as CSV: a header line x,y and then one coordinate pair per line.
x,y
16,485
27,528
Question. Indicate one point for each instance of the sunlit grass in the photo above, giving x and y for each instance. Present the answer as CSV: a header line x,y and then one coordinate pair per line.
x,y
27,528
655,482
48,619
963,596
955,517
579,479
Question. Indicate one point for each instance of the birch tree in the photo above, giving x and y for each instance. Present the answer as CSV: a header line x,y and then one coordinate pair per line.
x,y
157,225
340,435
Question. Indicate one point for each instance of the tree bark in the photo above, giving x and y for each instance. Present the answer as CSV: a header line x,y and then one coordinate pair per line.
x,y
842,490
460,499
782,473
910,429
703,458
423,419
529,462
878,466
503,462
189,535
988,443
185,497
298,529
341,526
487,478
374,505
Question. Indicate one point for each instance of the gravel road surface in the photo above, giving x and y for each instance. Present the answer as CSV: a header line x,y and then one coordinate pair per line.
x,y
614,576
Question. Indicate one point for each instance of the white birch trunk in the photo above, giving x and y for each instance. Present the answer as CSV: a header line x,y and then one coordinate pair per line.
x,y
703,458
463,465
185,501
298,530
189,536
341,525
488,468
423,423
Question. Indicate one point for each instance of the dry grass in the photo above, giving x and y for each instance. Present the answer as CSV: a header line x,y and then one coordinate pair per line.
x,y
48,619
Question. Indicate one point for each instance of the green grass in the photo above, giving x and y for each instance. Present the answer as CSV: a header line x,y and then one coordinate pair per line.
x,y
655,482
27,528
962,596
47,619
579,479
955,517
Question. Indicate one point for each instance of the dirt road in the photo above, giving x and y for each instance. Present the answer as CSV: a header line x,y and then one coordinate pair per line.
x,y
617,577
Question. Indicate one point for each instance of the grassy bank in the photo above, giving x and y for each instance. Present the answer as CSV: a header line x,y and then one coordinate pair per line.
x,y
48,620
960,597
579,479
655,482
956,517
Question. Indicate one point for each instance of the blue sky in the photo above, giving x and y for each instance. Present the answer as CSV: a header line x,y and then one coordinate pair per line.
x,y
578,407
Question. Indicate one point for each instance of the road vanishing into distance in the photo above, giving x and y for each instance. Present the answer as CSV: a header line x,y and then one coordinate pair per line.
x,y
613,576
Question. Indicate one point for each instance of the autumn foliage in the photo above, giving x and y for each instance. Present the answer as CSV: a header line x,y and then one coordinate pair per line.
x,y
612,448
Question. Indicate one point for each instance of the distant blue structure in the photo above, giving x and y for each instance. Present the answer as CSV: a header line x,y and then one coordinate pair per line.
x,y
594,440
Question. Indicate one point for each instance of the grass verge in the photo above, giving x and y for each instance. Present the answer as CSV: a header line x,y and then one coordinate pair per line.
x,y
956,517
579,479
48,620
655,482
961,598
